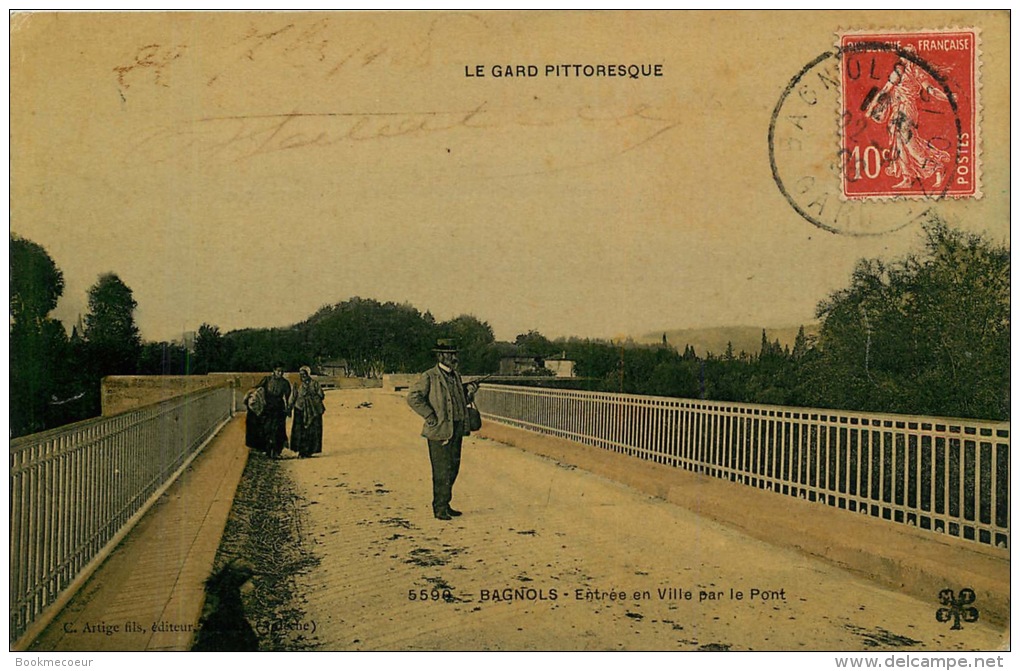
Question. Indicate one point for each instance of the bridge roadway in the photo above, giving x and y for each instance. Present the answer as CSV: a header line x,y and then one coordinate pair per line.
x,y
534,562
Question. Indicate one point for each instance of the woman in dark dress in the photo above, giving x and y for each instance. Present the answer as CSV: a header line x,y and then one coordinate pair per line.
x,y
306,402
274,418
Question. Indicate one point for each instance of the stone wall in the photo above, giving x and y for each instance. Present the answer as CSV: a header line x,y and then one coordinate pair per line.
x,y
401,382
398,382
246,381
342,382
127,392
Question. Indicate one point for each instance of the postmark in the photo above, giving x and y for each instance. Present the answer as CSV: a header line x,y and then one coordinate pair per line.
x,y
908,114
815,140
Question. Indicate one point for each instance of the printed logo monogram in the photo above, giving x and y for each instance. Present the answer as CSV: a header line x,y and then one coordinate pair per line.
x,y
957,608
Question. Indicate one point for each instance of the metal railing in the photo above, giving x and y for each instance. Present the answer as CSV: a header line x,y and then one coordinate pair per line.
x,y
75,489
945,475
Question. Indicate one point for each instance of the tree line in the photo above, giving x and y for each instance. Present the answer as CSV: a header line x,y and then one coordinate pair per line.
x,y
924,334
364,337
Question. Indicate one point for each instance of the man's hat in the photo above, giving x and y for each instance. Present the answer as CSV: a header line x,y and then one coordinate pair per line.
x,y
445,345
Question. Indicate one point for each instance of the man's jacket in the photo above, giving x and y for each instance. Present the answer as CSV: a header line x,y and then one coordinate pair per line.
x,y
431,395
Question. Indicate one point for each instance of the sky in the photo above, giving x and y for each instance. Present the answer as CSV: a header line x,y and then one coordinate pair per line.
x,y
244,170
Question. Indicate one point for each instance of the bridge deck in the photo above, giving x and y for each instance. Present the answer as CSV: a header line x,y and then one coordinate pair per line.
x,y
537,537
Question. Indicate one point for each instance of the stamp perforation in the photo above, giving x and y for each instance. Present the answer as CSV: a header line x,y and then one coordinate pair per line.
x,y
971,163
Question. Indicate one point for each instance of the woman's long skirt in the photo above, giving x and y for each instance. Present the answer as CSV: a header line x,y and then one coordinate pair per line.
x,y
253,435
306,440
274,432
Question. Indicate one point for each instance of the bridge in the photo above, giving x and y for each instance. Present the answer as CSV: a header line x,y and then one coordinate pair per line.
x,y
592,521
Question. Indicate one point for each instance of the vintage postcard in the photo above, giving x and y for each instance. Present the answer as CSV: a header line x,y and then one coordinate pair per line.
x,y
733,287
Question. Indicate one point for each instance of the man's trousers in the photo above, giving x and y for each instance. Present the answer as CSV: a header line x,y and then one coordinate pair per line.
x,y
445,458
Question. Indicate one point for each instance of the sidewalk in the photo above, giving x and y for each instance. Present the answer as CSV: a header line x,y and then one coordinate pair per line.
x,y
148,595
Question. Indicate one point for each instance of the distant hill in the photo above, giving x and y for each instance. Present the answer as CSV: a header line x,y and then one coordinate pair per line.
x,y
746,338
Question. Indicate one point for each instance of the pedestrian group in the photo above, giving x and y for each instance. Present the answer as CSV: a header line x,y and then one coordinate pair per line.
x,y
272,401
440,396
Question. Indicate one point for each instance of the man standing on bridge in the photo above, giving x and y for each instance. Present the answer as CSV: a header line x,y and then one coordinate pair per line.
x,y
442,398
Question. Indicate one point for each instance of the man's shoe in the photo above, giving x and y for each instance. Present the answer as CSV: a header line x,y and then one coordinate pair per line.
x,y
453,513
443,516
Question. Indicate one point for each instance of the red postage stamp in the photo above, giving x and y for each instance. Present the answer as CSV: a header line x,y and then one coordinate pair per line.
x,y
909,114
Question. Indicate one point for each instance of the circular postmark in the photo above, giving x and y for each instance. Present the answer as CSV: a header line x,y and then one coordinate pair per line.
x,y
824,142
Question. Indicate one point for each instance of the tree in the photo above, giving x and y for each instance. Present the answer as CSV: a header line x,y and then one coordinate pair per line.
x,y
592,358
210,350
927,334
534,343
374,337
674,378
475,340
163,358
770,351
39,376
38,344
800,345
113,340
36,282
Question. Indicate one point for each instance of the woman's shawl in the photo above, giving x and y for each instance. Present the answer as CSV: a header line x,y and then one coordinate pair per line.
x,y
307,397
255,400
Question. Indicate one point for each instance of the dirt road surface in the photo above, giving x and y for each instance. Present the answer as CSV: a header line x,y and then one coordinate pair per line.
x,y
542,553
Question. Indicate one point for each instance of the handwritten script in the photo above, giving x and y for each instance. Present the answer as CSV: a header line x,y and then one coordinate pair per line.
x,y
248,137
314,49
314,52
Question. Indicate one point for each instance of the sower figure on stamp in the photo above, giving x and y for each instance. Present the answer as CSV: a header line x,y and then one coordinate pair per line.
x,y
442,398
898,105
